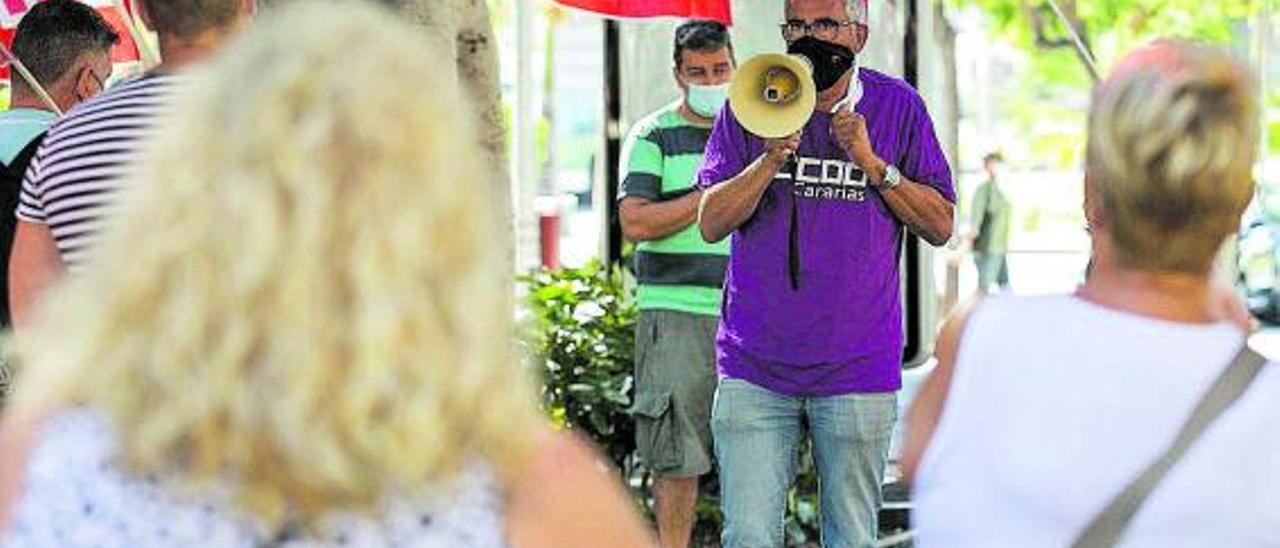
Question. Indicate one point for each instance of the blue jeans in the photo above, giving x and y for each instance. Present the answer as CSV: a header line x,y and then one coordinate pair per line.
x,y
993,270
757,434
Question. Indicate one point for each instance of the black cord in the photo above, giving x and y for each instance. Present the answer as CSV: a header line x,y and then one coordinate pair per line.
x,y
793,235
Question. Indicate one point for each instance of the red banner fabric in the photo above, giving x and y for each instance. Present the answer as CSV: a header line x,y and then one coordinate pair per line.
x,y
718,10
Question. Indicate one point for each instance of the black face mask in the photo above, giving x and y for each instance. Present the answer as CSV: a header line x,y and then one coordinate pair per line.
x,y
830,61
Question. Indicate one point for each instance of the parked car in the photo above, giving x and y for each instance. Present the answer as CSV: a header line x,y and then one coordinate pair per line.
x,y
1258,255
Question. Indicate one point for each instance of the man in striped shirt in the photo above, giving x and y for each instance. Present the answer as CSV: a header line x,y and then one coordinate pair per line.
x,y
66,46
680,277
75,177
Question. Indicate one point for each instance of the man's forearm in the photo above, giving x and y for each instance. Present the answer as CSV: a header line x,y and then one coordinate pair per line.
x,y
921,208
643,220
34,265
729,204
925,212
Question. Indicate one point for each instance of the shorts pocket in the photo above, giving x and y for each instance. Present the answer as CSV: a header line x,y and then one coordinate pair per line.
x,y
656,438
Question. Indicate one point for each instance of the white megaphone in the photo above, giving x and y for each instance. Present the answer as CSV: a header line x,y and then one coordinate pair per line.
x,y
773,94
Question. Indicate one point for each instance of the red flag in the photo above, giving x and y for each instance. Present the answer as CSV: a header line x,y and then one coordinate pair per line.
x,y
718,10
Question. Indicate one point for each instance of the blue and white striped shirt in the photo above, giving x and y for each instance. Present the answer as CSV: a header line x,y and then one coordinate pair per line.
x,y
77,172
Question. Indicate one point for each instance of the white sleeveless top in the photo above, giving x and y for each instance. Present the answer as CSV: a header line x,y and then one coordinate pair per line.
x,y
75,496
1056,404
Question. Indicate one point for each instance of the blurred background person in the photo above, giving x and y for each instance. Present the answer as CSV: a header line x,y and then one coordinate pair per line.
x,y
680,277
77,171
297,327
1043,409
990,218
67,47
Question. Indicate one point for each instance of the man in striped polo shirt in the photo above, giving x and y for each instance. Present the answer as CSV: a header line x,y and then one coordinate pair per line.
x,y
75,177
680,277
66,45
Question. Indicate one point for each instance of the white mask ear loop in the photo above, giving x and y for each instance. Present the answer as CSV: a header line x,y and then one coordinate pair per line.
x,y
855,89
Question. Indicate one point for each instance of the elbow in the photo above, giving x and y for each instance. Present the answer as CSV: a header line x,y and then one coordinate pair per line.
x,y
709,233
631,234
941,231
940,236
708,236
707,226
634,231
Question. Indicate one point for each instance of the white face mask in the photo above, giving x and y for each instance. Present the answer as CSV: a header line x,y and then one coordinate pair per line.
x,y
706,101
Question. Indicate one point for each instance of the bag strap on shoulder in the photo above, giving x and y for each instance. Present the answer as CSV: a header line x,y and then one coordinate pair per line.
x,y
1109,525
18,166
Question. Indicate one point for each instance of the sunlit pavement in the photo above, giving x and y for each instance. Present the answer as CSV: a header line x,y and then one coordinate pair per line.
x,y
1267,341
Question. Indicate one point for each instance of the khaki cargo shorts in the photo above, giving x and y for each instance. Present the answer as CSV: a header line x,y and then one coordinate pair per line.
x,y
675,386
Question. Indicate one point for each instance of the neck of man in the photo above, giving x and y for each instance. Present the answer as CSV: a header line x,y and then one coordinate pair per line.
x,y
177,53
693,117
1171,296
827,99
27,98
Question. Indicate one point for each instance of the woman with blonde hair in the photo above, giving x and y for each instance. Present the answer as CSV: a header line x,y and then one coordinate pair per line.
x,y
296,330
1129,412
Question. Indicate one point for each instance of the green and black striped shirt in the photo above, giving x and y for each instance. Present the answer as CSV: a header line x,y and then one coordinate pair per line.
x,y
660,162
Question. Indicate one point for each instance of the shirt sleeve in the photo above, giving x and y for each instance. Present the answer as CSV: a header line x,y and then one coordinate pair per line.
x,y
725,156
923,160
979,211
641,169
31,198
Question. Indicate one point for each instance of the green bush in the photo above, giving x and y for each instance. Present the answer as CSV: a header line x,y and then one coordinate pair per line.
x,y
581,333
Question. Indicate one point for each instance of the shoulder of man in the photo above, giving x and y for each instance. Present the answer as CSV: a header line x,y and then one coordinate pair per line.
x,y
654,121
145,86
891,87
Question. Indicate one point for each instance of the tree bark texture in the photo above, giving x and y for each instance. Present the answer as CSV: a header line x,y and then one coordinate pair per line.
x,y
465,33
462,30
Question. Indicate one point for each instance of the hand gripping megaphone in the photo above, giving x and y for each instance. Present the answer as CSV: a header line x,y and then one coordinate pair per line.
x,y
773,94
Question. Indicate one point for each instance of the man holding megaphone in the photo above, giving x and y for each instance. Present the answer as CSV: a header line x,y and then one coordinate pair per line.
x,y
815,168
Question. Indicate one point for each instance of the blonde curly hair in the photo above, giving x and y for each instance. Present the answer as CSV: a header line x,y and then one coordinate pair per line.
x,y
304,290
1173,134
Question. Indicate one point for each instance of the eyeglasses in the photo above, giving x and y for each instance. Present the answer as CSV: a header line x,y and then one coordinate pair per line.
x,y
822,29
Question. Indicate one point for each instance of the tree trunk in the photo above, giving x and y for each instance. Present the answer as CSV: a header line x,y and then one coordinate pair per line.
x,y
548,177
462,30
1042,17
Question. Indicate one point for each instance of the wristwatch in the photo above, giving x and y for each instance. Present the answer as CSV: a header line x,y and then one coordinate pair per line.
x,y
891,177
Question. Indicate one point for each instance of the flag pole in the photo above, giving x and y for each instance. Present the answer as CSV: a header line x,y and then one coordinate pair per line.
x,y
30,79
149,57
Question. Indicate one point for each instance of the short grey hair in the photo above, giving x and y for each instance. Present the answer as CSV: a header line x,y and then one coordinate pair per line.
x,y
856,10
1173,134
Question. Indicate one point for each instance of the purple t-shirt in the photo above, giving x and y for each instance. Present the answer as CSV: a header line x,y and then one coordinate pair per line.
x,y
840,332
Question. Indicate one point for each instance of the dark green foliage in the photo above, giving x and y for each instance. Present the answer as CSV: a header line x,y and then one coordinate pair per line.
x,y
581,333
